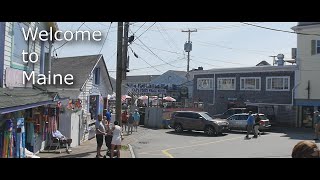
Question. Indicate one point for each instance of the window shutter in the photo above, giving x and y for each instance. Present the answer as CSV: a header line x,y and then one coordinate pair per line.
x,y
313,47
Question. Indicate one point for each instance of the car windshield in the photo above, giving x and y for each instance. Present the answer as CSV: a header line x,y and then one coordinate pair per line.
x,y
262,117
206,116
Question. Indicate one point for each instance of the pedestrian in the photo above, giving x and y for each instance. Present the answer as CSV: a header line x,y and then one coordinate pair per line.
x,y
136,117
108,138
317,125
130,123
100,132
305,149
250,122
108,116
116,139
256,126
124,119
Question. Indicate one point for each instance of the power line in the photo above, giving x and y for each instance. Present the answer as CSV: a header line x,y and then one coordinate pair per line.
x,y
154,54
140,27
144,32
231,48
73,34
194,56
105,39
174,43
279,30
164,37
143,60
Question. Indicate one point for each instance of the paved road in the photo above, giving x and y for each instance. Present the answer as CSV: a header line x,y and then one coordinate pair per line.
x,y
165,143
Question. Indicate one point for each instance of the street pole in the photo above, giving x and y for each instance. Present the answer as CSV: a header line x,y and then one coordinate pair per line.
x,y
125,54
119,72
189,42
188,48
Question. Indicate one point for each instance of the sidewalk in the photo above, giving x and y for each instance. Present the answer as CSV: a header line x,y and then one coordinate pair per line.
x,y
88,148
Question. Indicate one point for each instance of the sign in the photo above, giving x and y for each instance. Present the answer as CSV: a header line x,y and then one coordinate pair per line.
x,y
153,91
184,92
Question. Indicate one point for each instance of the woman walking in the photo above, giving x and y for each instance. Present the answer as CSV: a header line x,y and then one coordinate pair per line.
x,y
116,139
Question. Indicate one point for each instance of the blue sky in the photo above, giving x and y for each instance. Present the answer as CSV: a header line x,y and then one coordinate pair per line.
x,y
215,44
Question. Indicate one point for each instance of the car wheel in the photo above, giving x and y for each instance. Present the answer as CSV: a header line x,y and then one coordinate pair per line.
x,y
210,131
178,128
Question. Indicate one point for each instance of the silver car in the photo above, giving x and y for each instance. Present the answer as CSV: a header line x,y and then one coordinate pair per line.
x,y
239,122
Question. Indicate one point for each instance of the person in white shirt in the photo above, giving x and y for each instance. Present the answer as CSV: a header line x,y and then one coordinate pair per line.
x,y
63,139
116,139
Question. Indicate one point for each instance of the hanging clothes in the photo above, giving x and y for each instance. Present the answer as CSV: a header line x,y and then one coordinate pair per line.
x,y
30,133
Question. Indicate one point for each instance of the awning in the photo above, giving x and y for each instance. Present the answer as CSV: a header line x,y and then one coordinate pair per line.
x,y
23,107
265,104
307,103
17,99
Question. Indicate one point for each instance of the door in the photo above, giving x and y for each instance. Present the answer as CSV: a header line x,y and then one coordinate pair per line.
x,y
187,120
232,122
197,121
242,121
75,123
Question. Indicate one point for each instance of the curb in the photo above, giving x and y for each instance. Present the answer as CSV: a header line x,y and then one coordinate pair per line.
x,y
131,151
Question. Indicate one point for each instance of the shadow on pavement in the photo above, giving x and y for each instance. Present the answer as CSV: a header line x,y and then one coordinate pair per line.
x,y
295,133
81,155
192,133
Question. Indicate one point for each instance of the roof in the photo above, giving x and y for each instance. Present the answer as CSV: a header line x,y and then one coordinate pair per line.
x,y
307,23
249,69
263,63
142,78
79,66
24,96
180,73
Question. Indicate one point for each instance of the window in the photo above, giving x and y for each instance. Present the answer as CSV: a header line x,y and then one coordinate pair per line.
x,y
315,47
97,76
278,83
205,83
226,84
250,83
19,43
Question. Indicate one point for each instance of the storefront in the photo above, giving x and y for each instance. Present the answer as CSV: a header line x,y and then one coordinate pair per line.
x,y
306,109
28,129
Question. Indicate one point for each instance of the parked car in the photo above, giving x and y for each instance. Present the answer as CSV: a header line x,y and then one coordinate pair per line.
x,y
239,122
202,121
230,112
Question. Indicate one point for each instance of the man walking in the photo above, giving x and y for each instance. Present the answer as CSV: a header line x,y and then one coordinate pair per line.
x,y
317,125
250,122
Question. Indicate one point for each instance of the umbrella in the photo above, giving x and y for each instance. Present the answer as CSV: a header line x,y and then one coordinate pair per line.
x,y
143,97
124,97
168,98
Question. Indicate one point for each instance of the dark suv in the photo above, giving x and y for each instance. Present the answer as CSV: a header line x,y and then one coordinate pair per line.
x,y
201,121
230,112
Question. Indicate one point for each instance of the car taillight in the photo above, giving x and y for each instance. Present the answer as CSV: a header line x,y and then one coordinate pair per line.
x,y
261,122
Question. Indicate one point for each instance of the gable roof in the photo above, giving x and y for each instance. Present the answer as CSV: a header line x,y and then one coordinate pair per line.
x,y
263,63
79,66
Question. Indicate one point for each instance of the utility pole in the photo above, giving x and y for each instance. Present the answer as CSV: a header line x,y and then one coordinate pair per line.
x,y
188,46
125,63
125,50
119,72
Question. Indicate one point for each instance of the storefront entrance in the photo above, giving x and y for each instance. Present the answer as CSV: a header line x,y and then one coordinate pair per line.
x,y
307,116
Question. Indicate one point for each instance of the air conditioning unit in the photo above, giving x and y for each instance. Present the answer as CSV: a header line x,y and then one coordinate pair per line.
x,y
294,53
